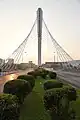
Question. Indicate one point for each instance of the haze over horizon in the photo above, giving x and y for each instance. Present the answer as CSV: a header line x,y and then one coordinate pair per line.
x,y
61,16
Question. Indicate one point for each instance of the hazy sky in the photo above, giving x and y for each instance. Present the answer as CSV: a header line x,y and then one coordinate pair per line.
x,y
61,16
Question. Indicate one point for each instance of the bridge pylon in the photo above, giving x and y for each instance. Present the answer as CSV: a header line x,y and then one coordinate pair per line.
x,y
39,31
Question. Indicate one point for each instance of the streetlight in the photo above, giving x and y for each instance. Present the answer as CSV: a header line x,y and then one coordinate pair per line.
x,y
25,53
54,56
22,56
57,58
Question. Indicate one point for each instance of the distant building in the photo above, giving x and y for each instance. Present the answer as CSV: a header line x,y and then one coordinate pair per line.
x,y
53,65
24,66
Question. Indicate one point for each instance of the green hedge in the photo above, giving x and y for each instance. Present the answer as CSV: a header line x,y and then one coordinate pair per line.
x,y
52,75
17,87
52,84
9,107
43,75
39,72
52,96
71,93
57,100
28,78
34,73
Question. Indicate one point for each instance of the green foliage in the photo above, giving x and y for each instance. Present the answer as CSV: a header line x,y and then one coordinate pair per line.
x,y
52,84
71,93
17,87
40,72
52,75
53,96
37,72
57,102
34,73
28,78
44,73
9,107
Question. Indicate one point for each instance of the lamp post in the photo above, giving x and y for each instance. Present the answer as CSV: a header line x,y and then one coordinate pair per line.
x,y
22,56
54,56
25,53
57,58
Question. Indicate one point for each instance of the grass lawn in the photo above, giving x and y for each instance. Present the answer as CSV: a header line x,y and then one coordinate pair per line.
x,y
33,108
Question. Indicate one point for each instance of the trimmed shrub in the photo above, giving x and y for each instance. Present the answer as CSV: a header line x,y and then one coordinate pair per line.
x,y
43,75
52,75
28,78
17,87
41,72
53,96
9,107
37,73
71,93
57,100
34,73
52,84
31,73
46,71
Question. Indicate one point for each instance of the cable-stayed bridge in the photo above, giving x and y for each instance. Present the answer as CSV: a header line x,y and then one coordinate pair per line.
x,y
63,58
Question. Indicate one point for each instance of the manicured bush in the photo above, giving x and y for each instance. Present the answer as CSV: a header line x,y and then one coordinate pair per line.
x,y
41,72
52,75
37,73
9,107
57,100
43,75
28,78
46,72
52,84
53,96
71,93
31,73
34,73
18,87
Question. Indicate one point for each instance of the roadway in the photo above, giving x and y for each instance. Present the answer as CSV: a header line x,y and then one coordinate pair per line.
x,y
72,78
69,77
